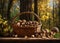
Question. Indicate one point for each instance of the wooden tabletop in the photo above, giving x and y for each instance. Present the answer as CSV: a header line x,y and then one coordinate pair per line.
x,y
17,38
27,40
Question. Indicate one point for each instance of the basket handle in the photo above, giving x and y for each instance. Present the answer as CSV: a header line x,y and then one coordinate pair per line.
x,y
27,13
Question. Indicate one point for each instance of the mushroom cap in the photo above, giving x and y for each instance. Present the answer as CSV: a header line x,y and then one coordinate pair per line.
x,y
55,29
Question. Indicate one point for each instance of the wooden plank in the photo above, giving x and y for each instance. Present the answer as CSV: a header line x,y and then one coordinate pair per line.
x,y
11,38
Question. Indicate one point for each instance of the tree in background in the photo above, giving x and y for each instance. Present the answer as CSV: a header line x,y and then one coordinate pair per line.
x,y
49,15
45,12
9,7
25,6
0,6
36,7
58,3
15,9
48,12
5,8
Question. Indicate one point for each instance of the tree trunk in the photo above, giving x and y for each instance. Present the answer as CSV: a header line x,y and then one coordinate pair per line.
x,y
9,7
36,7
59,11
59,14
1,7
25,6
5,8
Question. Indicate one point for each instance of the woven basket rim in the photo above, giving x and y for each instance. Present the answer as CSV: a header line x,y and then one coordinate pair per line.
x,y
13,19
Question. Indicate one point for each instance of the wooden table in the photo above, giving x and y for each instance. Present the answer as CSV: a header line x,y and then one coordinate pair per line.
x,y
27,40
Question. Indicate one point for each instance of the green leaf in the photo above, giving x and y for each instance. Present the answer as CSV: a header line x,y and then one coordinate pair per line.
x,y
57,35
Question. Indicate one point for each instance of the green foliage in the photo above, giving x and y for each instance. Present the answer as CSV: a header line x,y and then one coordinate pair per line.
x,y
5,28
57,35
15,9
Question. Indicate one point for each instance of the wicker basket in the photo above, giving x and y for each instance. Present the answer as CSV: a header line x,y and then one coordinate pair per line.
x,y
25,31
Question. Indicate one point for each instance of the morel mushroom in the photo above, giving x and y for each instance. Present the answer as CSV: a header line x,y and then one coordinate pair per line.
x,y
24,21
18,24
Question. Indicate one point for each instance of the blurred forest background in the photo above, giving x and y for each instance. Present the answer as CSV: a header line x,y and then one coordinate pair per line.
x,y
47,10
